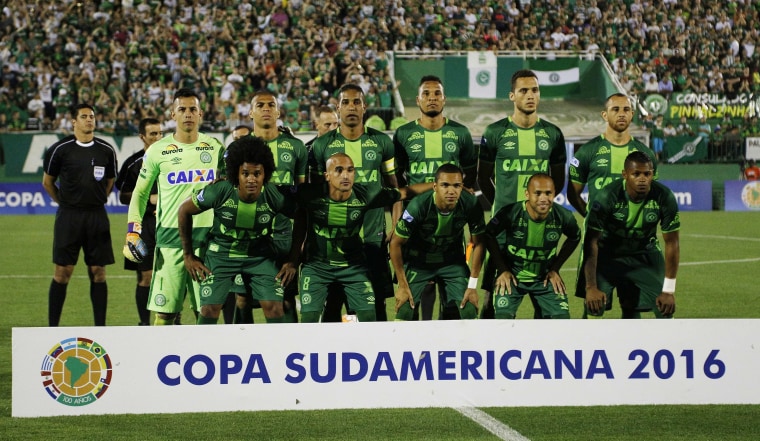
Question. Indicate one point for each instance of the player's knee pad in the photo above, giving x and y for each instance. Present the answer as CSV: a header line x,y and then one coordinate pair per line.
x,y
469,312
405,312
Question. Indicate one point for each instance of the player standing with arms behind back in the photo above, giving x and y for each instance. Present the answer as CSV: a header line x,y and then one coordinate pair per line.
x,y
511,151
421,147
86,168
150,132
598,162
180,164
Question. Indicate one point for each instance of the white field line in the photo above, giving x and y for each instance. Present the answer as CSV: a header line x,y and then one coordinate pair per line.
x,y
491,424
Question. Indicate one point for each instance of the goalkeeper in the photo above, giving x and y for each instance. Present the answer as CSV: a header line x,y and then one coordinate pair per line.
x,y
180,164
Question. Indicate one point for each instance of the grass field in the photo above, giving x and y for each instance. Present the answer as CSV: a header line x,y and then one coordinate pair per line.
x,y
718,279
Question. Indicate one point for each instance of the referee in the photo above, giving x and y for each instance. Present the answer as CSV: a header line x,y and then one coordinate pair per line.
x,y
85,167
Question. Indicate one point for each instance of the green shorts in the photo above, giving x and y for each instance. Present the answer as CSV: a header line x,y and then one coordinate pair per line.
x,y
316,276
552,305
637,278
454,277
171,282
258,273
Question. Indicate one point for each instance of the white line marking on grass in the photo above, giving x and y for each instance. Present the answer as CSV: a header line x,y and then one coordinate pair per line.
x,y
706,262
491,424
711,236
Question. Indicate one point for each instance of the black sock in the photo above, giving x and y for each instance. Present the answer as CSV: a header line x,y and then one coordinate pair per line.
x,y
56,298
141,300
243,315
99,298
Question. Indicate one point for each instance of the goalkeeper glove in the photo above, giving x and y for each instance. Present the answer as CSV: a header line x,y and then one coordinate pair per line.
x,y
135,249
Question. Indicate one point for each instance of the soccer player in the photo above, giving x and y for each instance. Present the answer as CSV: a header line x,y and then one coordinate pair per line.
x,y
245,208
230,304
290,159
150,132
621,247
240,131
330,218
529,263
85,168
180,164
372,154
598,162
423,145
511,151
428,244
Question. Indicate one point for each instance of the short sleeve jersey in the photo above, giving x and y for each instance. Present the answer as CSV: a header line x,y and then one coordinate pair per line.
x,y
83,171
628,227
290,159
517,154
179,170
419,151
434,238
372,154
334,228
599,162
242,229
531,246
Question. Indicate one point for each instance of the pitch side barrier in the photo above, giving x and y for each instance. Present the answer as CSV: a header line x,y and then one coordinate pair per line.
x,y
118,370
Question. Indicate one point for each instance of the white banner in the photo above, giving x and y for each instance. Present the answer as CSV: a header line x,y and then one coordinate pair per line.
x,y
113,370
558,77
482,70
752,146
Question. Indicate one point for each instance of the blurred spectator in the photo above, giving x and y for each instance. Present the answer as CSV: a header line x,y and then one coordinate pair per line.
x,y
684,128
752,172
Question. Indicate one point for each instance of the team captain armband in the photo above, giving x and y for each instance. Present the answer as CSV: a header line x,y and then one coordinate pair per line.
x,y
389,166
669,286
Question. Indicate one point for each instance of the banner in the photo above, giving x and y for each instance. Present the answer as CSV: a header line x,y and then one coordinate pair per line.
x,y
558,77
31,198
691,195
752,148
712,106
482,70
742,195
172,369
683,149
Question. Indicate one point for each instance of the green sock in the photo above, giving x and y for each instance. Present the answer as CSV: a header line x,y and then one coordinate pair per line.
x,y
503,316
469,312
243,316
158,321
310,317
207,320
366,316
280,319
405,313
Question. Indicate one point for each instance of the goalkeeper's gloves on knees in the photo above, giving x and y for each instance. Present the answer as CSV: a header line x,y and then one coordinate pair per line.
x,y
135,249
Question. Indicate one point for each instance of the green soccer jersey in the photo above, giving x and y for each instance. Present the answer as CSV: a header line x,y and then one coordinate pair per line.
x,y
532,246
628,227
372,154
599,162
242,229
289,159
517,154
334,234
435,238
179,170
419,151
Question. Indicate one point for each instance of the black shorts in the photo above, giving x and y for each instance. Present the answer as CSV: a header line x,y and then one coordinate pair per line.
x,y
148,236
88,230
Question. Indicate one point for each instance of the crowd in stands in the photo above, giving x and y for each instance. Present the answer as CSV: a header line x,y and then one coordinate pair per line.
x,y
127,57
